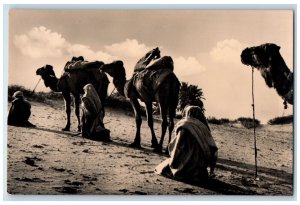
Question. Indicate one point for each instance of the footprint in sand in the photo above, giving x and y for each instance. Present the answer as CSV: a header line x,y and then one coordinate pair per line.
x,y
123,190
71,188
31,161
67,189
25,179
74,183
89,178
38,146
79,143
58,169
140,193
185,190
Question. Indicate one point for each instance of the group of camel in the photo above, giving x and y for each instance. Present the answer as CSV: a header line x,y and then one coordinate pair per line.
x,y
166,94
266,58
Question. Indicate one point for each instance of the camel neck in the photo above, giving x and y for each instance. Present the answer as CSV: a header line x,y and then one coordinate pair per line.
x,y
120,84
282,76
52,83
279,62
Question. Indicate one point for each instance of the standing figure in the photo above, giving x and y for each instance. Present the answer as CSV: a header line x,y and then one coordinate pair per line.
x,y
92,115
19,112
192,150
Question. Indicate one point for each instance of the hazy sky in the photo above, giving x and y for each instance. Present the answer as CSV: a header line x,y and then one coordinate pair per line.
x,y
205,46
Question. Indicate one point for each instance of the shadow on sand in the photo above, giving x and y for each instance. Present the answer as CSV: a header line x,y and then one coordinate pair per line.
x,y
222,187
248,169
69,133
216,185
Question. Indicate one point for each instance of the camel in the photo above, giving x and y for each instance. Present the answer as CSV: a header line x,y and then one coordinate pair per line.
x,y
267,59
165,94
72,82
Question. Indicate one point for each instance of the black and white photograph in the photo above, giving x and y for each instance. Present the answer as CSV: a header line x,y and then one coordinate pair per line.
x,y
194,102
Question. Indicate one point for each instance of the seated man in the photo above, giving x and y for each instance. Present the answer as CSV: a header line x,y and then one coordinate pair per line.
x,y
192,150
92,115
19,112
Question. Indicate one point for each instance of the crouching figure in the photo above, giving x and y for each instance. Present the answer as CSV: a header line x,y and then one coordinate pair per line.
x,y
92,116
192,150
19,111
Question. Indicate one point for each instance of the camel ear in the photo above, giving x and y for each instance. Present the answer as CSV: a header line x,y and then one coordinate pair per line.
x,y
120,63
274,46
278,47
49,67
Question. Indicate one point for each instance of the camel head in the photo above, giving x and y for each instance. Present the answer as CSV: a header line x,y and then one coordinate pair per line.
x,y
48,75
155,53
117,71
163,62
46,70
267,59
260,56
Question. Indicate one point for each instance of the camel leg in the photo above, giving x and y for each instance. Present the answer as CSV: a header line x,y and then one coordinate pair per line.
x,y
138,121
154,142
164,125
171,126
77,111
67,99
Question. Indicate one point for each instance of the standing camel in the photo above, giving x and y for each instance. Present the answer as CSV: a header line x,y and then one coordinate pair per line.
x,y
148,90
267,59
73,82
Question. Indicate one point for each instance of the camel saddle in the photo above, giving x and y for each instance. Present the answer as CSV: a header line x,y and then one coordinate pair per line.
x,y
90,67
82,65
146,83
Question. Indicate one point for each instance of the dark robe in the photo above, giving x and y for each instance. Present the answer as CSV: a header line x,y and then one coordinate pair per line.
x,y
19,113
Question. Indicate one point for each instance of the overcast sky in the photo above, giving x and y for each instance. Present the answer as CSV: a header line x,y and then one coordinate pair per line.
x,y
205,47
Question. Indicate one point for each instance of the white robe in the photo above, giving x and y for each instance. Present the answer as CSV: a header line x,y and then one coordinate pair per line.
x,y
190,152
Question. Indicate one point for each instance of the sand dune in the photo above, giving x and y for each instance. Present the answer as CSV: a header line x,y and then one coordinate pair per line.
x,y
45,160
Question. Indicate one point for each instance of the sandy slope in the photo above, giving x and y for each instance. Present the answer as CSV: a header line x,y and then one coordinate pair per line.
x,y
45,160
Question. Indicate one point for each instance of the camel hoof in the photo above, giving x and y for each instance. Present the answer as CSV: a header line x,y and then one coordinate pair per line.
x,y
154,145
135,145
167,152
157,150
66,129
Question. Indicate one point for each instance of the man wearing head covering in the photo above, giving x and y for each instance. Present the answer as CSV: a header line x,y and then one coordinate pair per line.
x,y
92,115
192,150
19,112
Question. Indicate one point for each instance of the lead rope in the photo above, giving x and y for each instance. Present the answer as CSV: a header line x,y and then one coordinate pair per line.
x,y
36,84
112,91
253,109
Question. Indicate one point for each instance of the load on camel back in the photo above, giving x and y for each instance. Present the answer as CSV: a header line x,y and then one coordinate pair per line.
x,y
78,63
77,74
149,73
150,83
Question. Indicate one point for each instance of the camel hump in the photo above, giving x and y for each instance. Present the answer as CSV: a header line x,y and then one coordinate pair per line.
x,y
165,62
148,82
82,65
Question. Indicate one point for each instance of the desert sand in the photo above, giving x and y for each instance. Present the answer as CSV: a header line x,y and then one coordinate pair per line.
x,y
47,161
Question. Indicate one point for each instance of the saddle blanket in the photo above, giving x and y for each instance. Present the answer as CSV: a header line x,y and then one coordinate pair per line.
x,y
146,83
82,65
